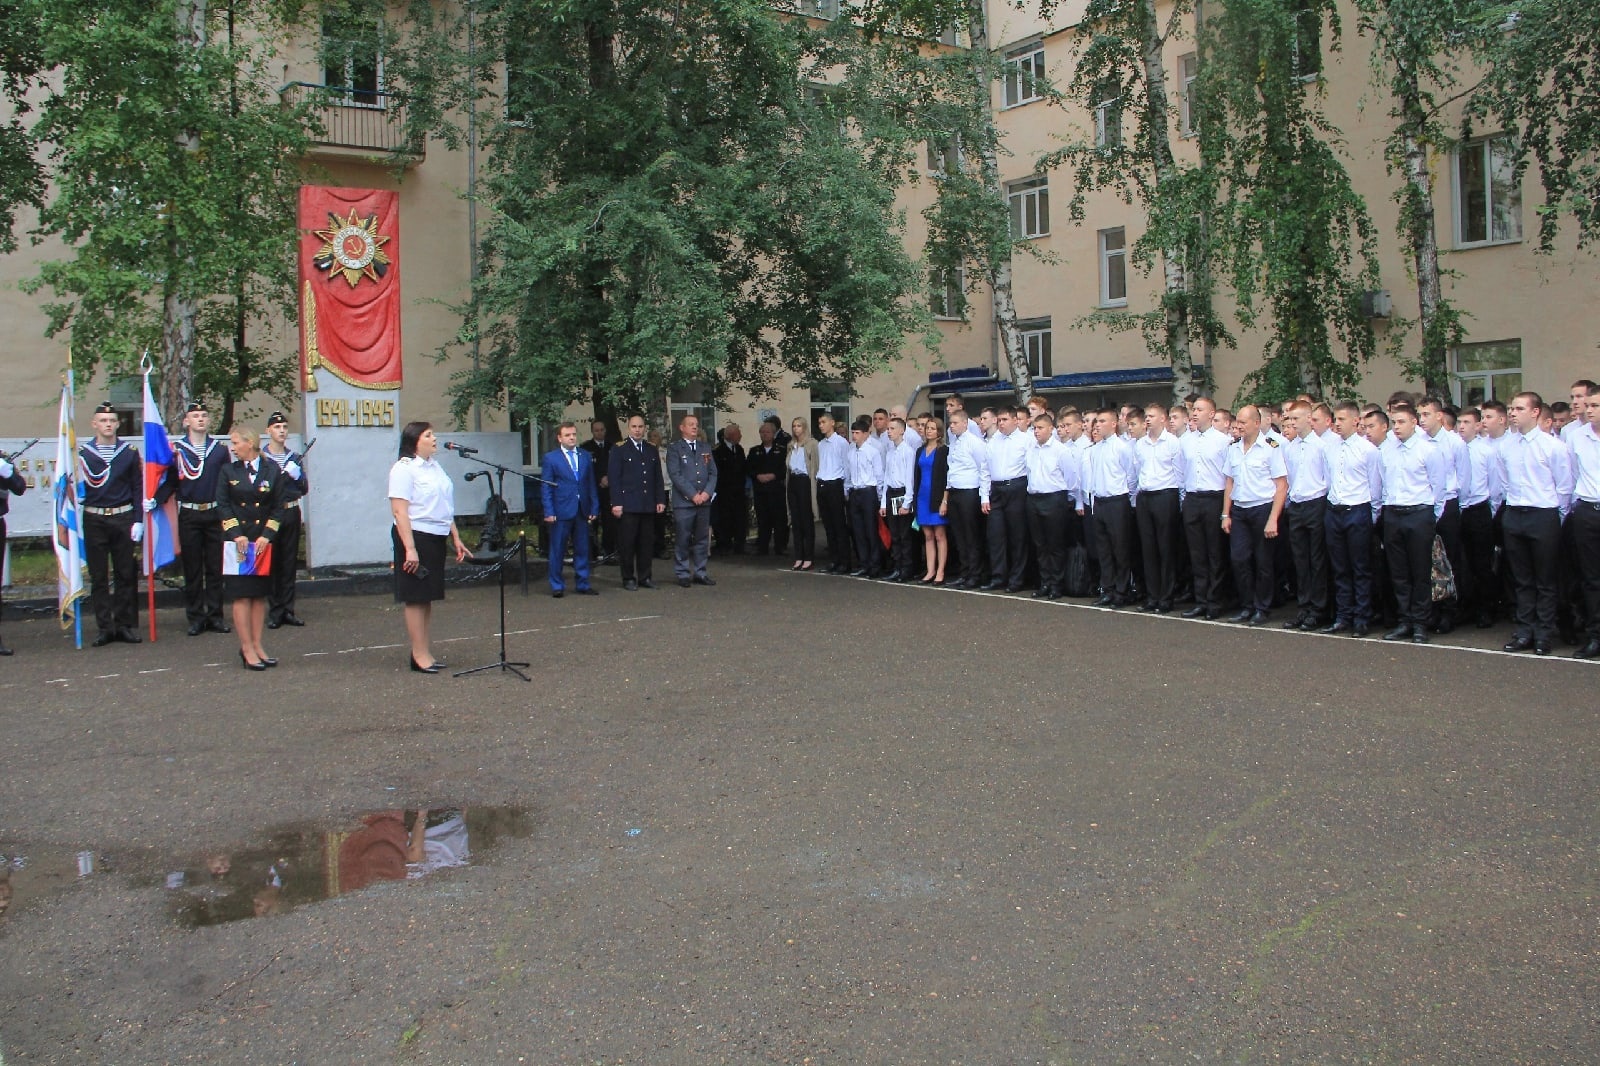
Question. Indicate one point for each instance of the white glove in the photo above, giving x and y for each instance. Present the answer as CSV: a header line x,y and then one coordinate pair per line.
x,y
149,505
6,469
292,468
136,534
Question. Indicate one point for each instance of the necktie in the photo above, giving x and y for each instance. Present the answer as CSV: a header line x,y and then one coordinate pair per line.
x,y
572,461
694,447
252,468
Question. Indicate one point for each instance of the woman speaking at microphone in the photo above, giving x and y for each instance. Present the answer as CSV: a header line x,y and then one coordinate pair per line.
x,y
250,501
422,500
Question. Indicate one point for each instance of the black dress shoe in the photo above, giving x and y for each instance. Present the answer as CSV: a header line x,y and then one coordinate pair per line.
x,y
1243,616
128,636
1105,601
858,573
1419,635
269,662
1402,632
273,623
1259,618
103,639
1194,612
1360,631
196,628
958,583
1590,650
434,669
1542,647
630,586
647,584
248,665
1055,594
1041,594
217,625
684,582
1213,615
1519,644
292,620
589,592
1337,627
992,586
1297,623
556,594
1485,621
3,649
1013,588
705,580
1163,608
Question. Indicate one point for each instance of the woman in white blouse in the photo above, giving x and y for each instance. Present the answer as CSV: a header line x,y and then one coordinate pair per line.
x,y
422,500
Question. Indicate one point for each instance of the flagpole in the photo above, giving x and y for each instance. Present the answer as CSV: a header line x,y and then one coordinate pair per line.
x,y
150,576
77,522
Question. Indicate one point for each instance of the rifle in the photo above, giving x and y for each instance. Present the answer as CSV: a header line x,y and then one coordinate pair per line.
x,y
14,456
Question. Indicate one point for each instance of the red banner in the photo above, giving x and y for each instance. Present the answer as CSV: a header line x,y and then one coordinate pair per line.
x,y
350,286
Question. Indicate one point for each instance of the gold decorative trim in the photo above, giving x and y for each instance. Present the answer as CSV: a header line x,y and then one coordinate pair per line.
x,y
314,358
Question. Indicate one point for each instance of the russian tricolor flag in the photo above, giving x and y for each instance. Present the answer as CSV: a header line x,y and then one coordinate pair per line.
x,y
161,541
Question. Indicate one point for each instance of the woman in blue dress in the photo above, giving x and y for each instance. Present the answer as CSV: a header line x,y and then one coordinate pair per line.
x,y
933,470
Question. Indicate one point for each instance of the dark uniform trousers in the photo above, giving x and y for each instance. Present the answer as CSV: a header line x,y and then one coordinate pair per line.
x,y
1008,531
772,528
1408,534
110,552
864,529
1477,587
635,531
1349,538
835,522
200,540
1159,524
1202,531
1385,608
1252,556
1533,540
802,521
899,533
963,511
1585,523
285,563
1047,524
1113,539
1308,546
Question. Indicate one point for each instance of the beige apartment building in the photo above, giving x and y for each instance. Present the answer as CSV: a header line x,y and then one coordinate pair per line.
x,y
1529,321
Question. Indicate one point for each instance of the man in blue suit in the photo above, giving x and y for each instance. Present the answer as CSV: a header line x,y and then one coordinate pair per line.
x,y
569,494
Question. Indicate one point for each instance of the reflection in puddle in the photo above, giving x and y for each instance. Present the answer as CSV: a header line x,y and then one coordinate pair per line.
x,y
298,864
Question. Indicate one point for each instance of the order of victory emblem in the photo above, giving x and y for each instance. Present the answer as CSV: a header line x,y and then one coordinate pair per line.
x,y
352,247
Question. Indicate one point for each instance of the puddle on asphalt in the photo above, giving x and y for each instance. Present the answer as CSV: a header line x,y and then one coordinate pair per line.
x,y
295,866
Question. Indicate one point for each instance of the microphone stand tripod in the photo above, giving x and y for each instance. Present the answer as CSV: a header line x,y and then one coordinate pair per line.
x,y
518,550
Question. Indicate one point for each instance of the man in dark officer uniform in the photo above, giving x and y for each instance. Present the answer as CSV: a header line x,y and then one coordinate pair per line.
x,y
767,466
286,547
197,462
10,482
603,539
113,476
638,495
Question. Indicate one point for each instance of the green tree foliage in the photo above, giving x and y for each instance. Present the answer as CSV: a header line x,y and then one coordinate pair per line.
x,y
675,197
1543,59
1291,234
21,178
174,169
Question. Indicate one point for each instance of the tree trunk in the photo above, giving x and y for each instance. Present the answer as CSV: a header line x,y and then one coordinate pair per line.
x,y
1175,276
180,310
1418,225
1201,265
997,271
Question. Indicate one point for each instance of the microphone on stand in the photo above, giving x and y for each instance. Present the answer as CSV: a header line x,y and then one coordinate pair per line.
x,y
459,449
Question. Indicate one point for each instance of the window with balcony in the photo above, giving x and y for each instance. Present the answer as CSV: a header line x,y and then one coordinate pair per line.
x,y
1024,74
352,66
1029,200
1488,195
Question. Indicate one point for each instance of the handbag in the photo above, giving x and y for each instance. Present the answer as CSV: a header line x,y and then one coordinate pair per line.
x,y
1444,579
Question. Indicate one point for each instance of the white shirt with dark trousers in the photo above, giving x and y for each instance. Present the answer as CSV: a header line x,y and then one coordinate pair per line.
x,y
1584,520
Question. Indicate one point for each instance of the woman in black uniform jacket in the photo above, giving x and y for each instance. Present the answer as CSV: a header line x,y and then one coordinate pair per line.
x,y
250,500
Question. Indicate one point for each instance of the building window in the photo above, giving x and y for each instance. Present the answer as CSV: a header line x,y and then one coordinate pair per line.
x,y
1113,267
350,58
1024,74
1307,43
947,294
944,157
954,37
830,398
1030,207
820,9
1488,195
1188,72
1107,105
1491,371
1036,345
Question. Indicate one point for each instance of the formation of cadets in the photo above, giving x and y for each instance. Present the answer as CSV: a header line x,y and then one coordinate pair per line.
x,y
1330,511
112,473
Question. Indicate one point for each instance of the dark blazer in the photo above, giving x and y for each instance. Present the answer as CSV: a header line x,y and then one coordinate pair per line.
x,y
635,475
730,468
941,475
690,472
573,495
770,461
248,510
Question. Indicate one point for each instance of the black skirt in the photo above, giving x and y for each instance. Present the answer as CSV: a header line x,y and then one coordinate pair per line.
x,y
427,584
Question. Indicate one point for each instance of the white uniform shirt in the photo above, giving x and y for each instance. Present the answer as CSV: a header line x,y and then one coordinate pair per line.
x,y
1109,469
1585,445
969,463
1052,467
1355,473
866,468
900,472
833,457
1460,460
1160,462
1007,455
1306,459
1537,471
1485,480
1254,471
1415,472
428,491
1205,458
